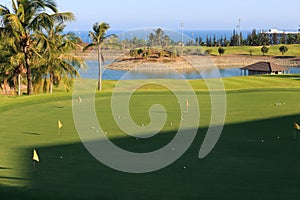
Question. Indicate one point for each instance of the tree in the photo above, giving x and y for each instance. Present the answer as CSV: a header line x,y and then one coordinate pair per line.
x,y
283,49
234,41
200,41
197,41
214,43
275,38
166,41
226,42
283,39
252,39
98,36
159,34
264,50
263,39
151,40
29,16
207,41
57,59
221,51
291,39
11,62
221,41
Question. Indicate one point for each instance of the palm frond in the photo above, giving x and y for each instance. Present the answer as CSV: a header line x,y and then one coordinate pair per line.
x,y
42,20
14,6
63,17
89,46
4,10
43,5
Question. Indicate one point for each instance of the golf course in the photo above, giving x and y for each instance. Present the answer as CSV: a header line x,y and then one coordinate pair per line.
x,y
256,157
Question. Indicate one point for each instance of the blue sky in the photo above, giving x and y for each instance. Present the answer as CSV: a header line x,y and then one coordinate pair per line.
x,y
195,14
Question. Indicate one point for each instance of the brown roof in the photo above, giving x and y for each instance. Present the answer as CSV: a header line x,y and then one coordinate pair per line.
x,y
264,67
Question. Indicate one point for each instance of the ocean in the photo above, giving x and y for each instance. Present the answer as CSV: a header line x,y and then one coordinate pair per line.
x,y
175,35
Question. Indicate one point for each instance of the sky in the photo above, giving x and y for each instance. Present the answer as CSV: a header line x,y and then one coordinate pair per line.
x,y
194,14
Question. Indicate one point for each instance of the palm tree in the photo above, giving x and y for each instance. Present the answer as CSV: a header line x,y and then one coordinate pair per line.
x,y
29,16
159,34
58,59
98,36
11,61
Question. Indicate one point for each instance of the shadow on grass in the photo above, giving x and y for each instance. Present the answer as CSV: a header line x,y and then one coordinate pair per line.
x,y
252,160
13,178
5,168
59,107
31,133
288,76
284,57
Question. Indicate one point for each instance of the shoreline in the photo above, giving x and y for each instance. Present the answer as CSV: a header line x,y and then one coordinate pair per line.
x,y
189,63
235,61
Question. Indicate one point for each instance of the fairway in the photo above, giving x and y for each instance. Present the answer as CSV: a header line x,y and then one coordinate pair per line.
x,y
255,158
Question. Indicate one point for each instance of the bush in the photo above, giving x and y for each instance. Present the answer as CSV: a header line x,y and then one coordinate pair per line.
x,y
208,51
264,50
140,51
221,51
283,49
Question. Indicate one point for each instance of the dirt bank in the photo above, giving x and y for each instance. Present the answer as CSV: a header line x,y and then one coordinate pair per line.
x,y
188,62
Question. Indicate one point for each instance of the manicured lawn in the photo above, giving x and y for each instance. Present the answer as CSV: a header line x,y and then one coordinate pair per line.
x,y
240,166
293,50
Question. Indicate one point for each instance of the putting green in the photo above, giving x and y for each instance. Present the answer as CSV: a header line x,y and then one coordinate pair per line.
x,y
255,158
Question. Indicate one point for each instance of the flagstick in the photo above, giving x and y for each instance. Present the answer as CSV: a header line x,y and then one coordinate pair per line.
x,y
34,165
58,132
187,105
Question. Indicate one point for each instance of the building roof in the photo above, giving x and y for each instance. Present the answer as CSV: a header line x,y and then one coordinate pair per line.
x,y
264,67
275,31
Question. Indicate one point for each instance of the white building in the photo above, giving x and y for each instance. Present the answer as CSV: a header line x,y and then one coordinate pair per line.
x,y
275,32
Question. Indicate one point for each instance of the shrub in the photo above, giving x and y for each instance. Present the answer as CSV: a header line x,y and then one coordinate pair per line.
x,y
221,51
264,50
283,49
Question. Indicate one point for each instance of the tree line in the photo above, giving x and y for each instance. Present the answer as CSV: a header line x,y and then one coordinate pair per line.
x,y
34,48
254,38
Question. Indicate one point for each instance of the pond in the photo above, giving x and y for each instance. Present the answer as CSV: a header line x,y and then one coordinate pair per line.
x,y
92,73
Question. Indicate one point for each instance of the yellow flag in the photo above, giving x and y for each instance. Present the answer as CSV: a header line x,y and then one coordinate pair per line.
x,y
296,126
60,124
35,156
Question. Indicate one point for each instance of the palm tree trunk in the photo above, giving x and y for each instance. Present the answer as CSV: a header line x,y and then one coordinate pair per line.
x,y
29,78
51,83
5,85
19,84
100,69
28,67
15,83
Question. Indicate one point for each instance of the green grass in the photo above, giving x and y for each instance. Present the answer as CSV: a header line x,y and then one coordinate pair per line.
x,y
293,50
239,167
